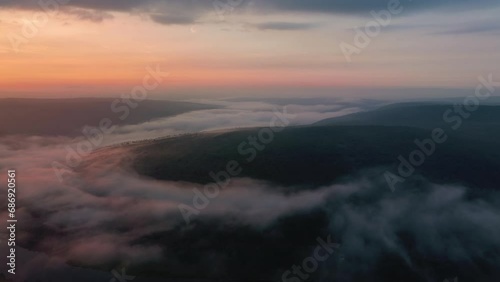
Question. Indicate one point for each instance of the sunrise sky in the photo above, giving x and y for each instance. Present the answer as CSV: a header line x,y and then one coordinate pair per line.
x,y
100,48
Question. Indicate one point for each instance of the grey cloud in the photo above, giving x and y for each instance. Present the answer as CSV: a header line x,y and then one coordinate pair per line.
x,y
173,19
89,15
163,12
109,5
365,6
285,26
484,27
410,27
198,8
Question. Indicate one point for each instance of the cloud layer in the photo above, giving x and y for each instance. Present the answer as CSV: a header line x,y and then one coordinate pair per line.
x,y
116,218
188,12
235,114
112,217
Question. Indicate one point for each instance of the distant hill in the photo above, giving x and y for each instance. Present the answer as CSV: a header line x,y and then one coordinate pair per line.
x,y
481,125
422,115
66,117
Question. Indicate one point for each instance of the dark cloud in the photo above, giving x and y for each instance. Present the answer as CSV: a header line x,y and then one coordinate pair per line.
x,y
108,5
410,27
163,11
89,15
173,19
365,6
285,26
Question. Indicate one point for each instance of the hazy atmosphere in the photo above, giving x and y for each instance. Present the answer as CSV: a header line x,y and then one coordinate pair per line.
x,y
239,140
244,48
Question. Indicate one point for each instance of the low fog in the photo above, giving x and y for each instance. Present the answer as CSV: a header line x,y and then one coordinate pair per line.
x,y
112,218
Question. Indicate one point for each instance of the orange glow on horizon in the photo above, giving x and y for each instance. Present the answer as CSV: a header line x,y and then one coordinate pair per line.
x,y
68,54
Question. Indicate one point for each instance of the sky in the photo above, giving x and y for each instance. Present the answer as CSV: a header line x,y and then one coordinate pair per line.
x,y
63,48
